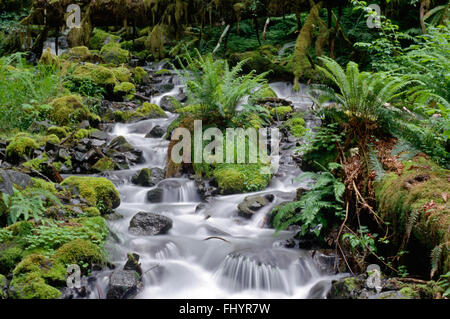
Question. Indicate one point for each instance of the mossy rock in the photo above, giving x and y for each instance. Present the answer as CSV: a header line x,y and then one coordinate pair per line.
x,y
31,286
282,111
79,251
42,184
113,53
98,74
81,54
266,92
100,37
59,131
296,126
48,58
99,191
10,255
69,110
240,178
122,74
20,147
126,89
418,194
104,164
3,283
36,162
140,76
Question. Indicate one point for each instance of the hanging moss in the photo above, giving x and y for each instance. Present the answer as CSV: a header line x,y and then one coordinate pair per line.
x,y
300,63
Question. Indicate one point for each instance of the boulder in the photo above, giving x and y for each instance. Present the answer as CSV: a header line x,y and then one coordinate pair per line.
x,y
10,179
251,204
156,132
123,284
120,144
149,224
148,177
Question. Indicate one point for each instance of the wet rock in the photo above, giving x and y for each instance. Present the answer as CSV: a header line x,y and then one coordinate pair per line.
x,y
10,179
287,243
156,132
327,261
149,224
142,178
163,87
155,195
133,263
120,144
99,135
123,284
251,204
167,103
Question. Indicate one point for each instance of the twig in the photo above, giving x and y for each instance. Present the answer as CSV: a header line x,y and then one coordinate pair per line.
x,y
142,97
339,245
217,237
220,39
265,28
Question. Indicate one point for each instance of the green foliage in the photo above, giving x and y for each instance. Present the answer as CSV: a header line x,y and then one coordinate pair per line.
x,y
361,94
5,235
444,284
84,86
25,91
364,240
376,166
325,197
52,234
27,204
217,88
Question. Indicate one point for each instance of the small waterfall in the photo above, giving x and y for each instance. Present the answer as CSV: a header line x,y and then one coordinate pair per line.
x,y
211,251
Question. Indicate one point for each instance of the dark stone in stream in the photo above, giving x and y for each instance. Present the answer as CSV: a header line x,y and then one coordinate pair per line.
x,y
156,132
99,135
287,243
120,144
142,178
149,224
123,284
166,103
148,177
155,195
133,263
251,204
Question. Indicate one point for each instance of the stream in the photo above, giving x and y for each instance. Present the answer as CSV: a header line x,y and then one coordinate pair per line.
x,y
210,252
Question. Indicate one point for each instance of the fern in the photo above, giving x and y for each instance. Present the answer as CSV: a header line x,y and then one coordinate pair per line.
x,y
325,195
435,259
376,166
360,94
406,150
215,86
27,204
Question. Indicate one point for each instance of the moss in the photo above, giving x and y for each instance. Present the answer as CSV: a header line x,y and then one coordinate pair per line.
x,y
266,92
91,211
68,110
48,58
113,53
420,190
100,37
36,162
10,255
60,132
151,110
409,293
283,112
100,75
122,74
296,126
3,283
79,251
20,146
78,53
140,75
52,138
20,229
32,286
83,133
99,191
240,178
125,89
104,164
41,184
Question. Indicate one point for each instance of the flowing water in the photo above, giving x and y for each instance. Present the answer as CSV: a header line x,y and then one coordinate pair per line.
x,y
210,252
